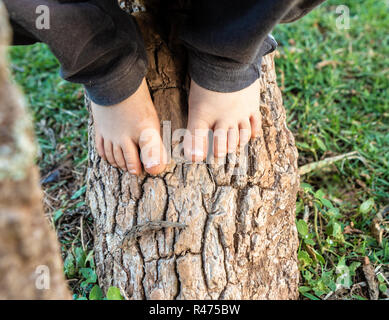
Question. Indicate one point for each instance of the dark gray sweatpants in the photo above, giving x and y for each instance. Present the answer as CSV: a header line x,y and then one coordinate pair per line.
x,y
99,45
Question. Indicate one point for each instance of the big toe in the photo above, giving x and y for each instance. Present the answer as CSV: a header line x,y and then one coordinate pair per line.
x,y
153,153
196,140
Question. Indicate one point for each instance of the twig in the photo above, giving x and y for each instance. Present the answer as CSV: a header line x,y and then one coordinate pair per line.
x,y
326,162
82,232
328,295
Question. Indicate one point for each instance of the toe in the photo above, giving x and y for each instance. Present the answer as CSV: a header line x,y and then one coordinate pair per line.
x,y
233,139
220,141
153,153
119,157
196,141
255,122
131,156
244,132
99,142
108,150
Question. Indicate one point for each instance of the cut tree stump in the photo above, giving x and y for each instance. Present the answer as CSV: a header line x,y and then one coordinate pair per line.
x,y
30,261
199,231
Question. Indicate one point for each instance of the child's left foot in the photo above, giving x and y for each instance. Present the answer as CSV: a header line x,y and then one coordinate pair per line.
x,y
233,117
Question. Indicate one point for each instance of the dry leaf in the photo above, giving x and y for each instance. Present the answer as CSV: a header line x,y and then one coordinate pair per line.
x,y
351,230
376,230
369,273
325,63
361,183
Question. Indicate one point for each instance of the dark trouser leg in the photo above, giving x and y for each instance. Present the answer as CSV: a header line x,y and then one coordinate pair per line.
x,y
21,36
227,39
97,44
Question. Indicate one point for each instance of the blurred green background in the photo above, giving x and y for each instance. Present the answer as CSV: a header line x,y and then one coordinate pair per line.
x,y
335,88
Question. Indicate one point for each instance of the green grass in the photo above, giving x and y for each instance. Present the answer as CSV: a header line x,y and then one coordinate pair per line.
x,y
332,110
339,108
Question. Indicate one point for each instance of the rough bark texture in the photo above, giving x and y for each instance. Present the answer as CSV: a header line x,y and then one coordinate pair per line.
x,y
30,262
240,239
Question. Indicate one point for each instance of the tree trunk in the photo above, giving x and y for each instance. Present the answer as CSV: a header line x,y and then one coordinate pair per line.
x,y
199,231
30,262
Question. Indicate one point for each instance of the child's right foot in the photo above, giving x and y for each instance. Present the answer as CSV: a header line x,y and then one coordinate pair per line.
x,y
124,128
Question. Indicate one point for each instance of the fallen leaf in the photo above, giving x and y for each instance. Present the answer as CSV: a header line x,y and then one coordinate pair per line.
x,y
376,230
369,273
351,230
325,63
361,183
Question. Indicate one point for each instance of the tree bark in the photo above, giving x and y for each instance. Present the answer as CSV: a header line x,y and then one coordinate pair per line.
x,y
199,231
30,262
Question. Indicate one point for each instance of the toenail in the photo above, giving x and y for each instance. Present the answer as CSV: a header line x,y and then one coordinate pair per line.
x,y
197,153
151,164
133,171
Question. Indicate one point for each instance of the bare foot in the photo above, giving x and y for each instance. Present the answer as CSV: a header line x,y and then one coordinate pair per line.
x,y
233,117
124,128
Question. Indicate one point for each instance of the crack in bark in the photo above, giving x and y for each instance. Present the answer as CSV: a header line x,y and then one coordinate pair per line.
x,y
178,278
203,240
224,246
